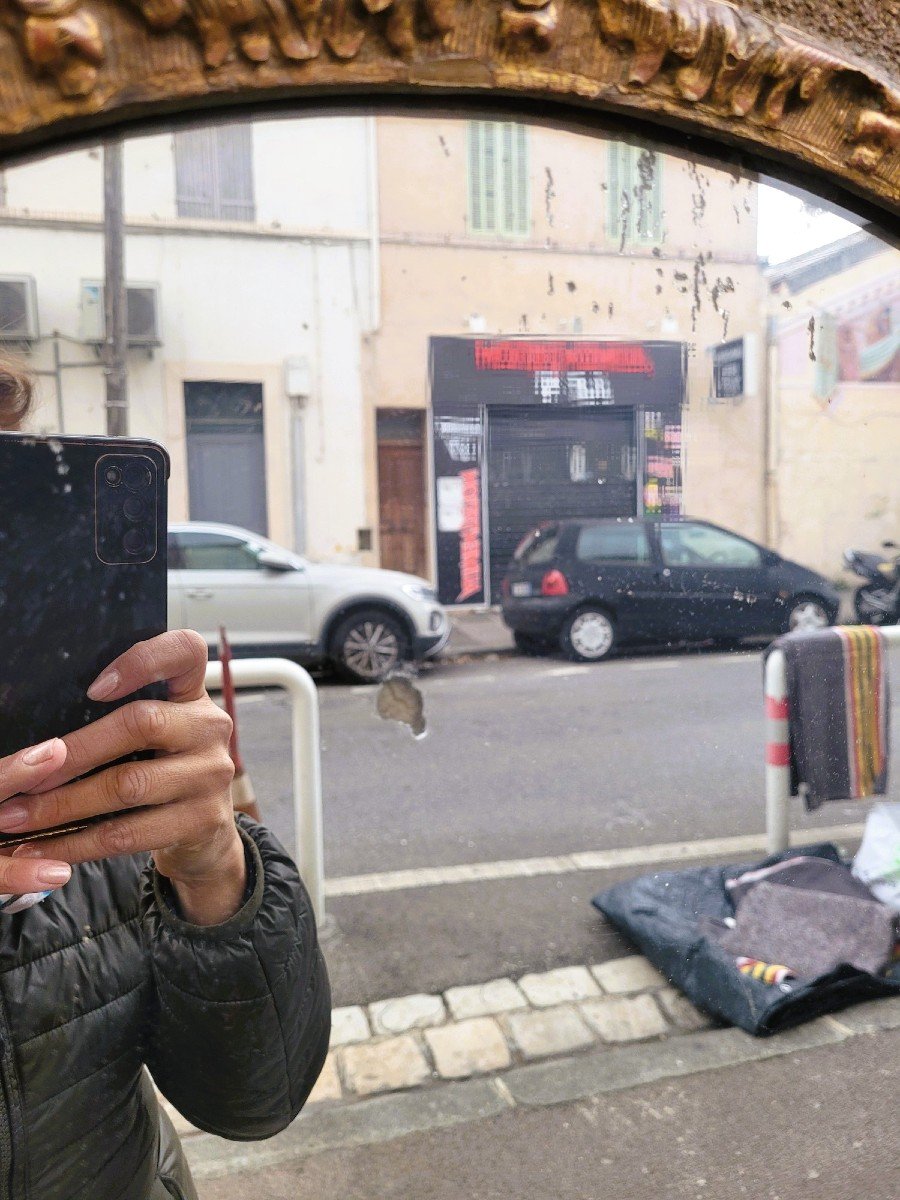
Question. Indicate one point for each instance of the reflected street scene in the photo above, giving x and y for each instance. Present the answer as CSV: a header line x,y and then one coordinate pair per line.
x,y
534,492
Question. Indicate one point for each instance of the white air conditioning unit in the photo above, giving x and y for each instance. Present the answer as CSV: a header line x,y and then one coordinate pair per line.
x,y
142,313
18,309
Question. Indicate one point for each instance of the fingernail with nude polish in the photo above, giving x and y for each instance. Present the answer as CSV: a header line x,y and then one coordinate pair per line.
x,y
53,874
13,815
39,754
104,685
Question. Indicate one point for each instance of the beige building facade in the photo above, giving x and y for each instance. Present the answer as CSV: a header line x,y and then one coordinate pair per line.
x,y
835,402
589,241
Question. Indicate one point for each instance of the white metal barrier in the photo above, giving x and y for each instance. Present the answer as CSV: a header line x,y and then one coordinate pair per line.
x,y
305,755
778,753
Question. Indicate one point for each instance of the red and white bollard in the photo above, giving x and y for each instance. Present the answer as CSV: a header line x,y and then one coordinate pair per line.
x,y
778,755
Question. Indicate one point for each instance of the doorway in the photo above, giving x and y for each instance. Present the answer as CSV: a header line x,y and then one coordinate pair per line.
x,y
401,489
226,455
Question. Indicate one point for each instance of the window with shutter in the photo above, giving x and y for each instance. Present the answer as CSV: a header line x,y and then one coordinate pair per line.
x,y
634,198
498,179
214,173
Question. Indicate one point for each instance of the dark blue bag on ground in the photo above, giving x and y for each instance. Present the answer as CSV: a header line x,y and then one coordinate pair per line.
x,y
663,915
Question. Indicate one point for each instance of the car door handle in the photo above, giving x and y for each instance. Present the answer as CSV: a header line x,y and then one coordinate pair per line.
x,y
199,594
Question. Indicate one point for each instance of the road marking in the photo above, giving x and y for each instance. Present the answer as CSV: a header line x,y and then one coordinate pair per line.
x,y
564,864
250,697
665,664
562,672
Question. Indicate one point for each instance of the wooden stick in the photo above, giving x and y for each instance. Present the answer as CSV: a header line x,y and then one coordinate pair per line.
x,y
242,795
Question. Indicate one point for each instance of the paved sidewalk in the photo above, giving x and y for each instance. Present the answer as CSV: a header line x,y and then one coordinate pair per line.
x,y
475,632
421,1040
804,1116
418,1062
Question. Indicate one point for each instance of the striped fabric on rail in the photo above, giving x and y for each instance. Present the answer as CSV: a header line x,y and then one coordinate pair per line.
x,y
865,696
838,711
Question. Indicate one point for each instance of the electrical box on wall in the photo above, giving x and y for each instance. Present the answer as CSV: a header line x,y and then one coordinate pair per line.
x,y
297,378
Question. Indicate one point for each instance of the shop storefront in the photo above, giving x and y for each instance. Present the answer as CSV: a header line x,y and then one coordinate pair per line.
x,y
525,430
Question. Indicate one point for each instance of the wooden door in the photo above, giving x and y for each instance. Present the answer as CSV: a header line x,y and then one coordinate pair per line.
x,y
401,499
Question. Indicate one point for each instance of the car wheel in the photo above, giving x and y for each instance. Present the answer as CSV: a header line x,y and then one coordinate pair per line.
x,y
588,635
527,643
368,645
807,613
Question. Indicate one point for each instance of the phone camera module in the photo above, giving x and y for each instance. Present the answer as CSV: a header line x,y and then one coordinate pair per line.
x,y
138,477
134,542
134,508
113,476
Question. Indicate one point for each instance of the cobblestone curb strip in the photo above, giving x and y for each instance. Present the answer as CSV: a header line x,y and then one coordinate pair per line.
x,y
415,1041
592,1073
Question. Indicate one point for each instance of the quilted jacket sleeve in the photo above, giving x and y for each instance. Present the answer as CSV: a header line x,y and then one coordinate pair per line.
x,y
242,1012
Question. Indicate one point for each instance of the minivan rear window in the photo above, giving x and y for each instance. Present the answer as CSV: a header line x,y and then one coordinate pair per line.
x,y
538,547
613,543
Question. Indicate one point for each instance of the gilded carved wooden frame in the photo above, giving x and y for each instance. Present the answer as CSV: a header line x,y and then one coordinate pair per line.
x,y
710,67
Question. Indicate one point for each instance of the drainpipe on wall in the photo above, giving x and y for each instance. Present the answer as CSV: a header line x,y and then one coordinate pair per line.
x,y
374,226
771,440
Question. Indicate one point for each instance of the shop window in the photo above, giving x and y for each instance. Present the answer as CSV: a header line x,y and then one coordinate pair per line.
x,y
498,178
214,173
613,544
634,194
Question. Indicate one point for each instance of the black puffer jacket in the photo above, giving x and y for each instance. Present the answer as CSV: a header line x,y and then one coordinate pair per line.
x,y
103,979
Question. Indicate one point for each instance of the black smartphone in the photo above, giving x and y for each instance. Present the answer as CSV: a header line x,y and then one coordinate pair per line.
x,y
82,575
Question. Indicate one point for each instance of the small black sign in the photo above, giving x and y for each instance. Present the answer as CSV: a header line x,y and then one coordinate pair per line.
x,y
728,370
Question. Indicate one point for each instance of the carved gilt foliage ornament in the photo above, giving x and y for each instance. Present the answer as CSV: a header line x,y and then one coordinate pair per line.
x,y
729,67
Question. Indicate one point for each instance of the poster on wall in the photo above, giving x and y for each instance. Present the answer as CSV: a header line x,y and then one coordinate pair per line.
x,y
858,347
457,472
868,344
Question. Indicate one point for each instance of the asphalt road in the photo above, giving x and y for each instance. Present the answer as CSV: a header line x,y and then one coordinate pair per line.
x,y
527,757
522,758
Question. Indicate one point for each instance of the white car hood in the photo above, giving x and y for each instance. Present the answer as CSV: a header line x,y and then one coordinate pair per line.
x,y
363,579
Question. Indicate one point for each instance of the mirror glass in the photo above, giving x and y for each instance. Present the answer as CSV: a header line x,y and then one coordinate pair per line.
x,y
567,426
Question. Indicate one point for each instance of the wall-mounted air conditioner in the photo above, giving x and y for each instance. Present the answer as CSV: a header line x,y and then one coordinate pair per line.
x,y
142,313
18,309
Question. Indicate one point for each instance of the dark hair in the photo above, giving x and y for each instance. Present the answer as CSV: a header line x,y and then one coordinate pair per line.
x,y
16,394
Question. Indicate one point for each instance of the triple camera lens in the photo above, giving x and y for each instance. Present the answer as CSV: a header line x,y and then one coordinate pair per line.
x,y
127,509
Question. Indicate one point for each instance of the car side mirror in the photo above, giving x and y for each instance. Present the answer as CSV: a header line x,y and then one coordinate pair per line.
x,y
272,561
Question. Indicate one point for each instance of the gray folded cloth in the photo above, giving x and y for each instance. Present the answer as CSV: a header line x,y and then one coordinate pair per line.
x,y
810,932
803,871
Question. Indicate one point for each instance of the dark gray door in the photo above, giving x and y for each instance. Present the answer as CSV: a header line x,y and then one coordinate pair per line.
x,y
226,453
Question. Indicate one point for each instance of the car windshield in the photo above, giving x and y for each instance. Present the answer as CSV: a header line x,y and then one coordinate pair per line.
x,y
531,401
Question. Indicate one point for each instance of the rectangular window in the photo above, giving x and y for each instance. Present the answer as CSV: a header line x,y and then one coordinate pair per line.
x,y
498,178
613,544
686,545
214,173
635,195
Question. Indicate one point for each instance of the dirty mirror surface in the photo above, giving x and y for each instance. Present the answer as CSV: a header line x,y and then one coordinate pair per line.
x,y
555,432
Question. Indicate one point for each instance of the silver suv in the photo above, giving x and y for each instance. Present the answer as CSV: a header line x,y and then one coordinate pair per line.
x,y
363,620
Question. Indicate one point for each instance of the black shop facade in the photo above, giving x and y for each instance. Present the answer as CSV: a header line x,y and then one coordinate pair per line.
x,y
528,430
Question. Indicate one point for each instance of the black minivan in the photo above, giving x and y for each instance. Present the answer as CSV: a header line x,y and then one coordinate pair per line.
x,y
586,585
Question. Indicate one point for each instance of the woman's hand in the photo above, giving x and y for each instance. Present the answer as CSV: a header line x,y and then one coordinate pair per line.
x,y
176,804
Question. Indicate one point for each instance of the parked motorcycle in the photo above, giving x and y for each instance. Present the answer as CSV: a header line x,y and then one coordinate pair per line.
x,y
877,602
